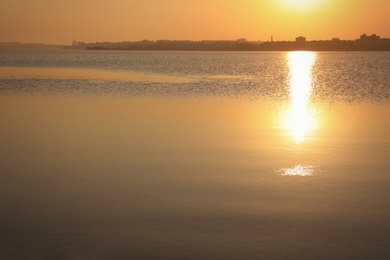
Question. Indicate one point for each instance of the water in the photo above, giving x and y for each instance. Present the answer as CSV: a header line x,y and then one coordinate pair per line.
x,y
194,155
253,75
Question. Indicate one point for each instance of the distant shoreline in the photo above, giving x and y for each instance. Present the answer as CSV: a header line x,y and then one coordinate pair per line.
x,y
276,49
364,43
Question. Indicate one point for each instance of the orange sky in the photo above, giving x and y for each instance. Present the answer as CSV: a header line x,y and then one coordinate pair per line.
x,y
60,21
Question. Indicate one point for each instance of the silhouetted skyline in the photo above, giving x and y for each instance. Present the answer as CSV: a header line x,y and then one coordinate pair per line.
x,y
364,43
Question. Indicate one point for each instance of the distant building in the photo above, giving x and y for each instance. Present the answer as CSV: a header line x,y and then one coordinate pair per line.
x,y
241,40
373,37
300,39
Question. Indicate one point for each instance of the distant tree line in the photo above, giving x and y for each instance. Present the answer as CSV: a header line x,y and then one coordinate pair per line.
x,y
364,43
168,45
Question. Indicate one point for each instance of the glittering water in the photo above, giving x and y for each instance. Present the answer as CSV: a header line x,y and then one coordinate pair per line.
x,y
194,155
338,76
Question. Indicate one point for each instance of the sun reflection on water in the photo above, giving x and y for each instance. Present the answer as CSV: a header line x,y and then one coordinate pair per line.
x,y
299,119
298,170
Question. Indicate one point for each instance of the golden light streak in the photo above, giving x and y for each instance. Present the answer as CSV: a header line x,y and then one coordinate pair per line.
x,y
299,119
73,73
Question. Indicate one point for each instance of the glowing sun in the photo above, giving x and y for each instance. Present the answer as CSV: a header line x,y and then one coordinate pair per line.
x,y
301,2
301,5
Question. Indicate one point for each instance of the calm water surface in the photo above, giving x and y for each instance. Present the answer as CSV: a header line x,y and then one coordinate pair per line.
x,y
194,155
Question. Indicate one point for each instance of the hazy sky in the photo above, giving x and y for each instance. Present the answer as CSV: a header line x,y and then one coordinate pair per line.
x,y
62,21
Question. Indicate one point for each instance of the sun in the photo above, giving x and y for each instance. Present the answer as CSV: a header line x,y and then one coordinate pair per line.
x,y
302,3
292,6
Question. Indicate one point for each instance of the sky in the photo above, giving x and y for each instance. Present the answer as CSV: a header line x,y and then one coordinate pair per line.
x,y
62,21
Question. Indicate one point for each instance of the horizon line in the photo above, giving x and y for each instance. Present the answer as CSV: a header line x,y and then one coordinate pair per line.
x,y
271,39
